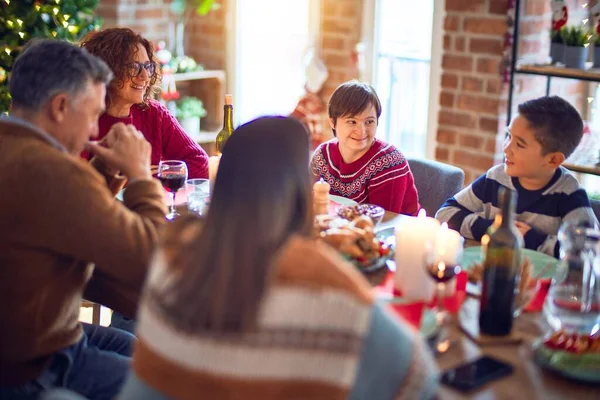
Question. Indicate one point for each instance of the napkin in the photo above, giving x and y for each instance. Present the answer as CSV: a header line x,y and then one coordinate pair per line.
x,y
537,303
412,311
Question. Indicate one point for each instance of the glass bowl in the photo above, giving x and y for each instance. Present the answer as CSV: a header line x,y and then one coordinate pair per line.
x,y
354,211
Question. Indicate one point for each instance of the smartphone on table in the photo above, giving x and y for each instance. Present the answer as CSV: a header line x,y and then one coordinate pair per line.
x,y
474,374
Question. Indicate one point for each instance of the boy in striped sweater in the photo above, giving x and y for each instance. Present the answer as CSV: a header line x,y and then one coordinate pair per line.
x,y
539,139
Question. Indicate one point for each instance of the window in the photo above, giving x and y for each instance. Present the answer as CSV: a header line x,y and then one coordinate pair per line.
x,y
271,39
405,44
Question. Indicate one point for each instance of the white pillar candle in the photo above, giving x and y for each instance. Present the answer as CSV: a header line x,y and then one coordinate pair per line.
x,y
448,247
410,276
449,244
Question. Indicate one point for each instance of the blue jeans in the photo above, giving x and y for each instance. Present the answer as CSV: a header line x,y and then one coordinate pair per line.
x,y
95,367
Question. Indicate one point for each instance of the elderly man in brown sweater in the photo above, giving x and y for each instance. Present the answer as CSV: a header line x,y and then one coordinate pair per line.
x,y
58,219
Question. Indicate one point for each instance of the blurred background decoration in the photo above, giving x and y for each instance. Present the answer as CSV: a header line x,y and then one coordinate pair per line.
x,y
22,20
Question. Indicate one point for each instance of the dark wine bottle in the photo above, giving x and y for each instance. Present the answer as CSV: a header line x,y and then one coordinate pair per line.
x,y
502,247
227,130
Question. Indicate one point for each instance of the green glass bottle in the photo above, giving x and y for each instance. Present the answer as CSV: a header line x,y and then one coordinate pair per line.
x,y
227,130
501,269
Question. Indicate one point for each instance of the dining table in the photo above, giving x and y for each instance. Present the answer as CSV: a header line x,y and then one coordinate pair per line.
x,y
528,380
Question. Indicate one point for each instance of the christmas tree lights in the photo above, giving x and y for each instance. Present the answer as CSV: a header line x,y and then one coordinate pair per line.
x,y
22,20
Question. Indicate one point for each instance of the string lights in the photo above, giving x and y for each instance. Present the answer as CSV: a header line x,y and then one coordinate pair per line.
x,y
22,20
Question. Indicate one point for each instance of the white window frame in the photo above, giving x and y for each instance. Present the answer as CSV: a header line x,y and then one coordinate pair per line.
x,y
232,33
368,74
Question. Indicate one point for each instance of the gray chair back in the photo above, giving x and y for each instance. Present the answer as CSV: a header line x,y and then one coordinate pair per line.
x,y
436,182
596,208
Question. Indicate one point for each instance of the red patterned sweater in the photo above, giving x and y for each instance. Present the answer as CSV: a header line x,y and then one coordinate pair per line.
x,y
167,138
381,176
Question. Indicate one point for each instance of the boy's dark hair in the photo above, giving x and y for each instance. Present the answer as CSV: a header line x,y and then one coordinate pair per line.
x,y
352,98
557,124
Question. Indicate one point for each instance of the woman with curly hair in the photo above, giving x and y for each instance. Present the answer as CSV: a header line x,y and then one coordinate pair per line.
x,y
131,58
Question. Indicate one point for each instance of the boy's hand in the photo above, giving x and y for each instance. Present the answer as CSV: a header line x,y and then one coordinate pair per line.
x,y
522,227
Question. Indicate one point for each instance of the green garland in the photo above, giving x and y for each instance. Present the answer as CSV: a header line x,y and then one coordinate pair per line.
x,y
22,20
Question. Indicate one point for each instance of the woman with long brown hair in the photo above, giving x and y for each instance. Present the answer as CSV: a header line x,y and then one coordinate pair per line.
x,y
245,304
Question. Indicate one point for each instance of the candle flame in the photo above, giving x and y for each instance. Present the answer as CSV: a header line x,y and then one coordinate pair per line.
x,y
444,225
485,239
422,213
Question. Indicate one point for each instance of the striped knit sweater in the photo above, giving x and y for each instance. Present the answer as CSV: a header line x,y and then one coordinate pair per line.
x,y
472,210
381,176
319,336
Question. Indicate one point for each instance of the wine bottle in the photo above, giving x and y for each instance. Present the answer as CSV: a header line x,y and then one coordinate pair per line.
x,y
502,246
227,130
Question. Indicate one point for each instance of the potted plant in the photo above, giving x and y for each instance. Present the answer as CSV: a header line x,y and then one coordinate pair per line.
x,y
188,112
557,46
576,53
596,51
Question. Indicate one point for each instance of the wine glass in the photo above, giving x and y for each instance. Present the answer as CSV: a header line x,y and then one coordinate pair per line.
x,y
442,263
172,174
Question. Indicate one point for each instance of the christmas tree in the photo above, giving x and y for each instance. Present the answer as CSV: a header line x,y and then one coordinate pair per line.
x,y
22,20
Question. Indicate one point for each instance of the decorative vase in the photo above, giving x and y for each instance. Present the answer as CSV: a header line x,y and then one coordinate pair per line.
x,y
557,53
575,57
191,126
596,56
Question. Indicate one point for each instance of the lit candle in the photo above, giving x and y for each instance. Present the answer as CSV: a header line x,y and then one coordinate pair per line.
x,y
411,277
449,245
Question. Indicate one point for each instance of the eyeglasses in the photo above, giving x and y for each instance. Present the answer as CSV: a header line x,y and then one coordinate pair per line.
x,y
135,68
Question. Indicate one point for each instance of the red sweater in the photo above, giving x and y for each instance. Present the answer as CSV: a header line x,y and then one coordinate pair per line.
x,y
167,138
381,176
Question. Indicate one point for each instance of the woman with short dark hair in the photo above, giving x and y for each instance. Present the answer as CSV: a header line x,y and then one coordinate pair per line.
x,y
128,98
355,163
246,304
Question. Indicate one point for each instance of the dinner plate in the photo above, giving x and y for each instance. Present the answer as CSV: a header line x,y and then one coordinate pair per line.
x,y
581,367
380,262
539,261
342,200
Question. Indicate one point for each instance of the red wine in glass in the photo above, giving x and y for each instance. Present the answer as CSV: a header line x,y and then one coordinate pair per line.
x,y
172,174
441,272
172,182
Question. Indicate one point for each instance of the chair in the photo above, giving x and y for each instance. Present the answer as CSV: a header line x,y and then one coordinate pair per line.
x,y
596,208
436,182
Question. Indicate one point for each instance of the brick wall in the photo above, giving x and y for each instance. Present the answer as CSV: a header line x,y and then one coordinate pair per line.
x,y
471,86
340,33
149,17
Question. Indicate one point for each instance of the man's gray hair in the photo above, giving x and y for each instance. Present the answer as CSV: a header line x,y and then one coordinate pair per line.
x,y
47,67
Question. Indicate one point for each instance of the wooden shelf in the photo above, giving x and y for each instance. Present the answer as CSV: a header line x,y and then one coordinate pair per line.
x,y
589,74
207,136
585,169
209,86
195,75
